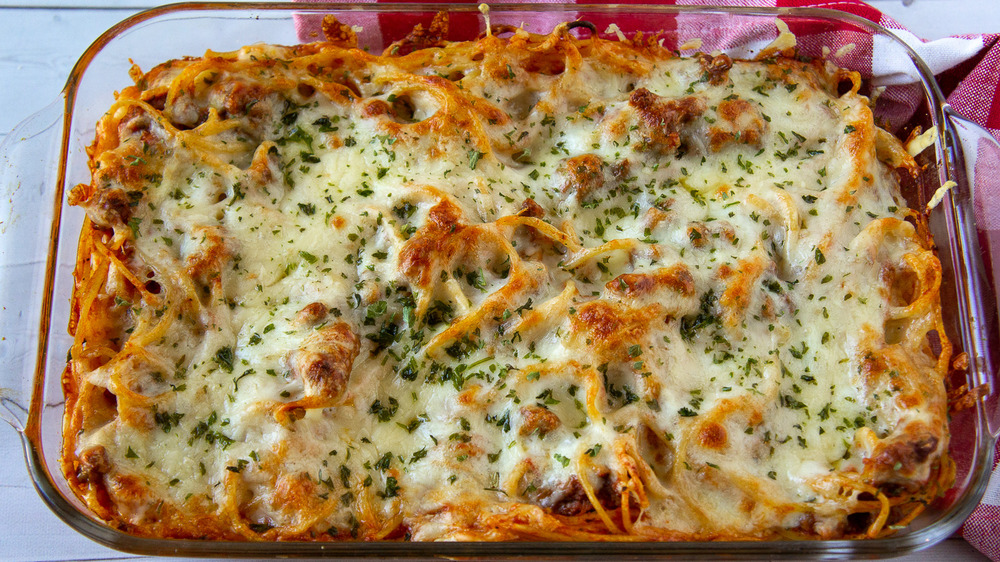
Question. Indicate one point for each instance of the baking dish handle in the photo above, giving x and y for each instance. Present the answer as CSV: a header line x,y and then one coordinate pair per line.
x,y
27,178
976,161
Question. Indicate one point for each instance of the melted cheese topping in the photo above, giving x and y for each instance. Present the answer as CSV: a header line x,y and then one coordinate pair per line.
x,y
525,287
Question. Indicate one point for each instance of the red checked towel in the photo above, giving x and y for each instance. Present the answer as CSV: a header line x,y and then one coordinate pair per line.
x,y
968,72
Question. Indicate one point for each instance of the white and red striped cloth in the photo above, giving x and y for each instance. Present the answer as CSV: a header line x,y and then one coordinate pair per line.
x,y
968,72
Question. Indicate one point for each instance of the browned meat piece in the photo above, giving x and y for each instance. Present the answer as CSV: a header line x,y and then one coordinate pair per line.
x,y
904,455
717,67
584,175
109,208
537,418
621,170
676,278
340,34
434,36
311,314
569,498
243,98
94,464
531,209
661,118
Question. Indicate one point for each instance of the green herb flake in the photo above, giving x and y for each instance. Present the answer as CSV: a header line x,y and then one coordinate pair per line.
x,y
474,156
224,357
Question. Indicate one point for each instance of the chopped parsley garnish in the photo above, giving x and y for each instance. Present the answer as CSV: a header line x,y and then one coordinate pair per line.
x,y
474,156
224,357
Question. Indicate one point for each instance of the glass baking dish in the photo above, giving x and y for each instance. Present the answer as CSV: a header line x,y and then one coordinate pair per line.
x,y
45,156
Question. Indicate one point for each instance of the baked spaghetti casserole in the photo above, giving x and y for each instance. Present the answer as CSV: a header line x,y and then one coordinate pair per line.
x,y
523,287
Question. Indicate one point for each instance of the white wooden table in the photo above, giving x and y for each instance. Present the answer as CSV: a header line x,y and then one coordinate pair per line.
x,y
40,41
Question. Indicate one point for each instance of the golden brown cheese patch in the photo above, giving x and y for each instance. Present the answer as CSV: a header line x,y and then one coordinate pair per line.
x,y
437,244
712,436
210,254
610,328
740,283
323,363
739,121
